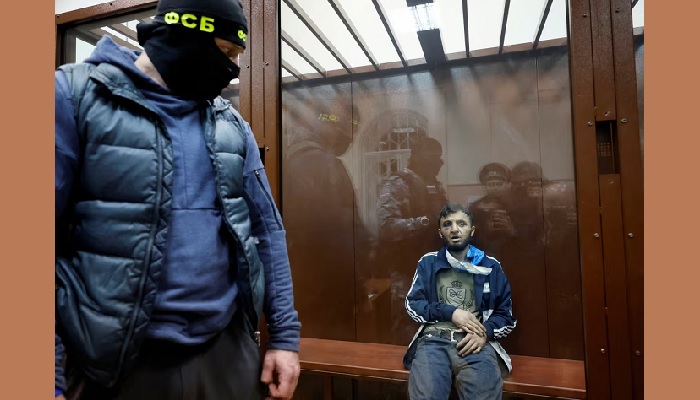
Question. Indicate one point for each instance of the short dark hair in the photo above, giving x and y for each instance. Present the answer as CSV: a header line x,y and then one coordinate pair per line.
x,y
452,208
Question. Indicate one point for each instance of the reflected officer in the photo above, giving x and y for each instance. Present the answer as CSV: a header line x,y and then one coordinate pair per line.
x,y
496,180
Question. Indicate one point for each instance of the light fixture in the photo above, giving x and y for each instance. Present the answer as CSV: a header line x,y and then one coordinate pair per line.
x,y
424,14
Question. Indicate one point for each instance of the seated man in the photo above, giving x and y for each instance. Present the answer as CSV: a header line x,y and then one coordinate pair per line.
x,y
462,300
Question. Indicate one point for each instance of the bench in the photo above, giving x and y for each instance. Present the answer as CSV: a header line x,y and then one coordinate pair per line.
x,y
373,361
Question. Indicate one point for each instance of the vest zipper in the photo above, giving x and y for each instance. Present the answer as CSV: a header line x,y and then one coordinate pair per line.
x,y
147,261
269,198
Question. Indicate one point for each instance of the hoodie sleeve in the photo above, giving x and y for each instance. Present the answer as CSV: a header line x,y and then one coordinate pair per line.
x,y
266,225
418,304
500,322
66,163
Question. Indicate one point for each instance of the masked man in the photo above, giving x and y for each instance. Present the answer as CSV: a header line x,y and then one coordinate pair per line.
x,y
169,245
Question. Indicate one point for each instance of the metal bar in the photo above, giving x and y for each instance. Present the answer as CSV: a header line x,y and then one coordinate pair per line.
x,y
306,56
125,30
395,68
297,10
101,32
543,20
465,19
503,26
86,36
118,19
338,8
389,31
293,71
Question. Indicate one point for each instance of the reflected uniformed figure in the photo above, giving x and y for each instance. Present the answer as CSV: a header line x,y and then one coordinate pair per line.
x,y
527,181
497,228
560,213
407,202
461,298
497,231
562,259
320,212
526,205
496,180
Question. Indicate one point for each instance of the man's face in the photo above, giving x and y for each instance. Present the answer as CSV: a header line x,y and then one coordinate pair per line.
x,y
497,186
456,229
336,131
529,188
428,162
230,49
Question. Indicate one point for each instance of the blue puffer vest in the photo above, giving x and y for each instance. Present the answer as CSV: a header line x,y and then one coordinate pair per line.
x,y
110,250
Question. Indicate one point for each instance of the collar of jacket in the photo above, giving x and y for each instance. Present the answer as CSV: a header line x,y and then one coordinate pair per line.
x,y
474,258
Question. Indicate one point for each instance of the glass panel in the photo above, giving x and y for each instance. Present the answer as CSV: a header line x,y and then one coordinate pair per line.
x,y
328,22
523,21
83,49
294,29
555,27
451,25
369,26
368,161
405,26
295,60
485,19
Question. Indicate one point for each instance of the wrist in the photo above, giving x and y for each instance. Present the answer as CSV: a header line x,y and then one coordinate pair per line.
x,y
454,316
489,331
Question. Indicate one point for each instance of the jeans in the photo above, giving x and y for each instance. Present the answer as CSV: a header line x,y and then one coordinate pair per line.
x,y
476,376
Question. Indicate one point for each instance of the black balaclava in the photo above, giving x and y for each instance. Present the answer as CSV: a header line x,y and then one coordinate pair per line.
x,y
180,43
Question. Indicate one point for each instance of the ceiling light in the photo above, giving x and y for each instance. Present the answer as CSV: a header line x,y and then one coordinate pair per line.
x,y
425,16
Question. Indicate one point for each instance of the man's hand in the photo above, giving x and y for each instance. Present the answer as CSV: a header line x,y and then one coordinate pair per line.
x,y
60,397
468,322
500,221
471,344
281,373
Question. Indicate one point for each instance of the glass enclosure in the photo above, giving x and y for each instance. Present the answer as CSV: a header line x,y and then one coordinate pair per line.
x,y
388,112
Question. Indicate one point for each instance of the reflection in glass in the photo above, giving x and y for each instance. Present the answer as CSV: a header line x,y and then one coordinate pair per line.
x,y
492,133
408,225
319,213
